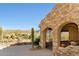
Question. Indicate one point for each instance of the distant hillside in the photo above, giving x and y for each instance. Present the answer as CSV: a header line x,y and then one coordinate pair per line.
x,y
19,31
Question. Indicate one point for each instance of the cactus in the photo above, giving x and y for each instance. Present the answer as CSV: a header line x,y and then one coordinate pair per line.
x,y
1,33
32,33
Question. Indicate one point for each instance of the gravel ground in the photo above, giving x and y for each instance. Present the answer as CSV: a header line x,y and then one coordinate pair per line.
x,y
24,50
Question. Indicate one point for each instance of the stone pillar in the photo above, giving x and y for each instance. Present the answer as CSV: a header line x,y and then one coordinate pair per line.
x,y
55,43
43,39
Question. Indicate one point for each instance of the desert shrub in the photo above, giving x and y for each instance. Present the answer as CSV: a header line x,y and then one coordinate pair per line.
x,y
13,36
1,33
30,36
24,36
36,41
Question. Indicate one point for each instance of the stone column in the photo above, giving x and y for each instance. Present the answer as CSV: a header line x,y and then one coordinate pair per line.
x,y
43,39
55,43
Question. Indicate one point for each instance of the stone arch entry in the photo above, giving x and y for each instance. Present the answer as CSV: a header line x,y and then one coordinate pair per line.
x,y
72,30
46,38
49,38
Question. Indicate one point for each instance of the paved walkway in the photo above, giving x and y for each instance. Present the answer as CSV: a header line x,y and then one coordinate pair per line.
x,y
24,50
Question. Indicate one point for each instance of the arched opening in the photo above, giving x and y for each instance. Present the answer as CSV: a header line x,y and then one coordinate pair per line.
x,y
49,38
47,34
68,33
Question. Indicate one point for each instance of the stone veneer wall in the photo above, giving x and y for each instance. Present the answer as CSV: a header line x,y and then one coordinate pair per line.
x,y
61,15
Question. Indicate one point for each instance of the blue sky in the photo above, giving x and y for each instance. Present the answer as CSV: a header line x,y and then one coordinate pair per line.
x,y
23,16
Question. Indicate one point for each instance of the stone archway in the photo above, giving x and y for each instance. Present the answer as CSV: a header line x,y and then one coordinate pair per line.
x,y
46,38
71,29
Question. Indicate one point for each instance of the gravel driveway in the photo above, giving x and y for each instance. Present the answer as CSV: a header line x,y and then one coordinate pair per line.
x,y
24,50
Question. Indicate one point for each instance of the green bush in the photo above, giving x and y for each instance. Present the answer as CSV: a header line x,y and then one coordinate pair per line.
x,y
36,41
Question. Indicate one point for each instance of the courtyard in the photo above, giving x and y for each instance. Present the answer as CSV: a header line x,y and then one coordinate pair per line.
x,y
24,50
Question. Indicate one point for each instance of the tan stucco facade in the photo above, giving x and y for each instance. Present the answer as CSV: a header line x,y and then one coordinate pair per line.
x,y
57,18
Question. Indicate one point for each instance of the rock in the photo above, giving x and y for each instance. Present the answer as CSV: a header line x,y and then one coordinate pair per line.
x,y
68,51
